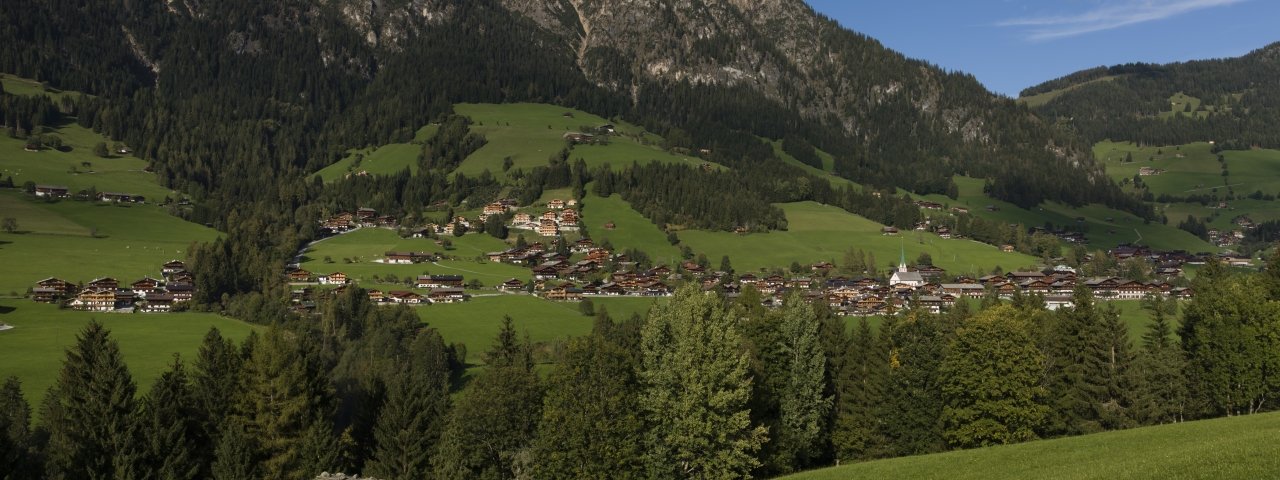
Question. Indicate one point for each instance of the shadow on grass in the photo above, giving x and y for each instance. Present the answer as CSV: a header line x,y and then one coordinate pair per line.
x,y
6,309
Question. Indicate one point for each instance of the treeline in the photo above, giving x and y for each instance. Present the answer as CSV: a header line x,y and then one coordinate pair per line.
x,y
700,387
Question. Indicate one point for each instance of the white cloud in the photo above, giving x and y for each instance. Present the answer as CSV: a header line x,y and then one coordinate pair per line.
x,y
1108,17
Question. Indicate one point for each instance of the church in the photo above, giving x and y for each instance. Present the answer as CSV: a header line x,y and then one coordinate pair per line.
x,y
905,277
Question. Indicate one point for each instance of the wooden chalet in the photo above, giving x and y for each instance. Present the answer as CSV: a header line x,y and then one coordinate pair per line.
x,y
51,191
447,295
299,276
157,302
439,281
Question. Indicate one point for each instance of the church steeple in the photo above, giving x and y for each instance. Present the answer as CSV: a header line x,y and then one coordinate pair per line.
x,y
902,261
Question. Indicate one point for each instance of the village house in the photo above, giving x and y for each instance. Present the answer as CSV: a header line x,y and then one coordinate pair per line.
x,y
299,276
447,295
51,191
889,231
375,295
555,204
548,228
564,293
439,281
406,297
335,278
105,283
171,267
512,285
146,286
118,197
403,258
157,302
95,300
181,291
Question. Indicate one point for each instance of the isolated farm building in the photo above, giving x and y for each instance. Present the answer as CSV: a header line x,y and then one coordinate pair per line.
x,y
51,191
889,231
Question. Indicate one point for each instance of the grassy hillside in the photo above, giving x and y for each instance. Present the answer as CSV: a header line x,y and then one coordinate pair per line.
x,y
355,253
79,241
530,133
818,232
35,348
14,85
78,168
383,160
1237,447
631,230
1105,227
1043,98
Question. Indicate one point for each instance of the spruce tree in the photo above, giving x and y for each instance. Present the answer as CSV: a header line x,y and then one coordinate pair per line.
x,y
282,399
1078,361
235,455
912,408
1160,393
591,425
89,412
172,443
861,393
696,389
18,460
803,404
991,381
215,381
489,432
410,421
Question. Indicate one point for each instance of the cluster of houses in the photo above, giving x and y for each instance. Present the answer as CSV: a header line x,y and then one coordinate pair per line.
x,y
107,294
61,191
439,289
560,216
1233,237
362,217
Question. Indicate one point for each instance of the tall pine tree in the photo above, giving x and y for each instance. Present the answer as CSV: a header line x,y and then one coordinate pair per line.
x,y
802,405
18,457
173,446
410,422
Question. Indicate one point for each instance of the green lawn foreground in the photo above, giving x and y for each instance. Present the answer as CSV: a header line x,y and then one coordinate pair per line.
x,y
1225,448
35,348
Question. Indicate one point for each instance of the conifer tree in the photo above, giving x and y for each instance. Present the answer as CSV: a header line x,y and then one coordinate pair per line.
x,y
1077,358
172,443
1160,394
235,455
861,386
410,422
282,399
912,407
991,381
696,389
215,381
591,425
489,431
89,412
18,459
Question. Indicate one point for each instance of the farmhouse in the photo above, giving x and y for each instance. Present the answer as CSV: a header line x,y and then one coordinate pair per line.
x,y
106,283
447,295
402,258
157,302
555,204
889,231
512,285
406,297
300,276
439,281
335,278
95,300
51,191
51,290
182,292
146,286
118,197
171,267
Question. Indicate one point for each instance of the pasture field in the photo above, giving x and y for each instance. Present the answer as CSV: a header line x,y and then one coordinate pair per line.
x,y
354,253
632,230
1193,168
80,241
35,348
1046,97
828,164
531,133
1104,227
1233,447
817,232
14,85
476,323
384,160
79,168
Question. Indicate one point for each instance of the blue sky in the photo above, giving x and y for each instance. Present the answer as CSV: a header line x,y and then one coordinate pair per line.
x,y
1013,44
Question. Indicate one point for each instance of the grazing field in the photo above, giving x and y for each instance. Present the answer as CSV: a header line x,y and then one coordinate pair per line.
x,y
531,133
1104,227
1043,98
1193,168
79,241
824,233
631,230
1235,447
828,164
35,348
384,160
354,254
14,85
78,169
476,323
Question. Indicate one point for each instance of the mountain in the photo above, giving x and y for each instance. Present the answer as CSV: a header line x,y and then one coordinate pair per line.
x,y
330,75
1234,102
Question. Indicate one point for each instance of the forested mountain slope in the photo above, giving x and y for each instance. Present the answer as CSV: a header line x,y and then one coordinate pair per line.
x,y
1234,102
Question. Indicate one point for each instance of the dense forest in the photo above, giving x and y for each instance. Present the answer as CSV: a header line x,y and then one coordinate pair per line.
x,y
701,387
1237,102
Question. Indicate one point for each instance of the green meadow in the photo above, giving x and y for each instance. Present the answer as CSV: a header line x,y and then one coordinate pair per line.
x,y
1194,168
631,229
78,168
14,85
384,160
35,348
817,232
80,241
1046,97
1233,447
476,323
1104,227
354,254
828,164
531,133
